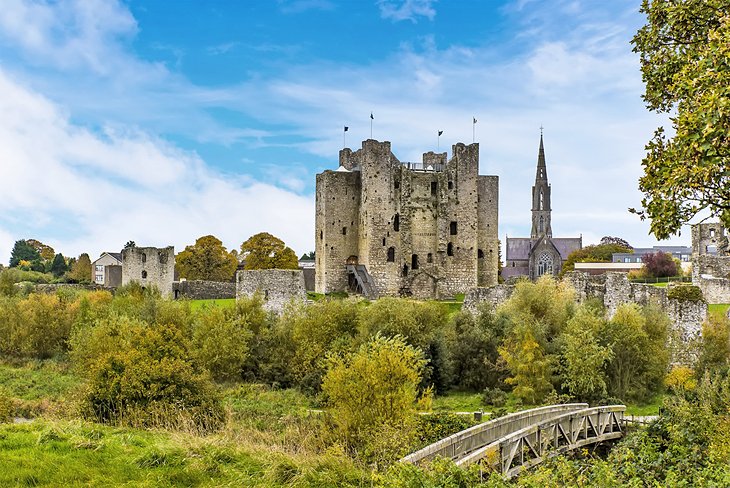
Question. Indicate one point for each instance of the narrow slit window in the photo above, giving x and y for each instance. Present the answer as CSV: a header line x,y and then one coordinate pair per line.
x,y
344,231
396,222
405,270
144,275
450,249
429,258
452,228
391,254
434,188
451,185
414,261
480,254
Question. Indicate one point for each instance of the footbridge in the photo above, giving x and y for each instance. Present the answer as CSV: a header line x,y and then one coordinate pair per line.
x,y
524,439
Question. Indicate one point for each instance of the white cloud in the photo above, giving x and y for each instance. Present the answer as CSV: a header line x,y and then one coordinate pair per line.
x,y
398,10
116,186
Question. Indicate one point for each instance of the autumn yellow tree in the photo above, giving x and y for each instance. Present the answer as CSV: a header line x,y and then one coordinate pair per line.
x,y
206,260
81,269
264,251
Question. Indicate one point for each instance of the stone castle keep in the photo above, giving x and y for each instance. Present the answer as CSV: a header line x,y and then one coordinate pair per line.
x,y
384,227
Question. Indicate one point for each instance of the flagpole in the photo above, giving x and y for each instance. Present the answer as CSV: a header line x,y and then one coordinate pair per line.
x,y
371,125
473,130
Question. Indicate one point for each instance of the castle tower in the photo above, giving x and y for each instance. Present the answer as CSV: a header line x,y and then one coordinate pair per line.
x,y
541,199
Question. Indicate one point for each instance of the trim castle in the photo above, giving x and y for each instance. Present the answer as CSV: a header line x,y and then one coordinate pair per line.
x,y
427,230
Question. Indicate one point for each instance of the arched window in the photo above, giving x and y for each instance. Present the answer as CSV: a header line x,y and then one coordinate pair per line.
x,y
545,264
542,201
541,225
144,258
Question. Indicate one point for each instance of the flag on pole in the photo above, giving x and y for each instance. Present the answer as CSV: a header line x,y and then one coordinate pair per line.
x,y
441,132
346,128
371,116
475,120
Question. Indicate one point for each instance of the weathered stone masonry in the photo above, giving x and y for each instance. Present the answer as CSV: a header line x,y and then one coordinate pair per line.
x,y
277,287
426,229
150,266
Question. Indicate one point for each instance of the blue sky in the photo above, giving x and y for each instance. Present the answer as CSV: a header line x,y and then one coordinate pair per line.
x,y
161,121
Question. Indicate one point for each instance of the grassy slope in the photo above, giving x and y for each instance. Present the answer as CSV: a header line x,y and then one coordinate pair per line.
x,y
78,453
221,302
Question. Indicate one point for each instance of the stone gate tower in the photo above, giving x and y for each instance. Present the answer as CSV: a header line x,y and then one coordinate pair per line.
x,y
427,229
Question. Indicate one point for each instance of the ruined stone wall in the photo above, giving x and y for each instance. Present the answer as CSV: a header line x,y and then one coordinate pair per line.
x,y
494,296
336,227
149,266
715,290
50,288
113,275
706,235
488,221
278,287
204,290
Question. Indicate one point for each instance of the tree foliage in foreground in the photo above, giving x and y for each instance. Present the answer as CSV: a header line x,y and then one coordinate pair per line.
x,y
373,394
206,260
264,251
684,49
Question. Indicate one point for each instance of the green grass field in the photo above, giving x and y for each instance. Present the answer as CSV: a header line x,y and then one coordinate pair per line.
x,y
718,308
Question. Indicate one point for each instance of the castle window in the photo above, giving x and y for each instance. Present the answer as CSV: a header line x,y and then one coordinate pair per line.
x,y
144,275
429,258
414,261
144,258
383,241
545,264
344,231
452,228
321,235
396,222
480,254
451,185
396,184
434,188
712,232
405,270
450,249
391,254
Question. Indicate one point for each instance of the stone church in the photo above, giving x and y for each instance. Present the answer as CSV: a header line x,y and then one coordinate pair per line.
x,y
541,253
390,228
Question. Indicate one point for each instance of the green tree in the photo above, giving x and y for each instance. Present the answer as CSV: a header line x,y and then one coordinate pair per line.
x,y
583,358
597,253
46,252
59,267
714,344
264,251
22,251
206,260
81,269
684,48
639,356
372,395
220,342
530,367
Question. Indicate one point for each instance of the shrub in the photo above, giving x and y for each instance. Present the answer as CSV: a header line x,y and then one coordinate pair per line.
x,y
437,426
494,397
424,325
372,394
150,380
685,293
220,343
680,379
325,326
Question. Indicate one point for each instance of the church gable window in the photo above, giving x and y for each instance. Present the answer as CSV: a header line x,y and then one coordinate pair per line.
x,y
544,264
541,225
542,201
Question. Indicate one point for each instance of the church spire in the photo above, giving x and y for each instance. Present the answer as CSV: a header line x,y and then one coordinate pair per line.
x,y
541,198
